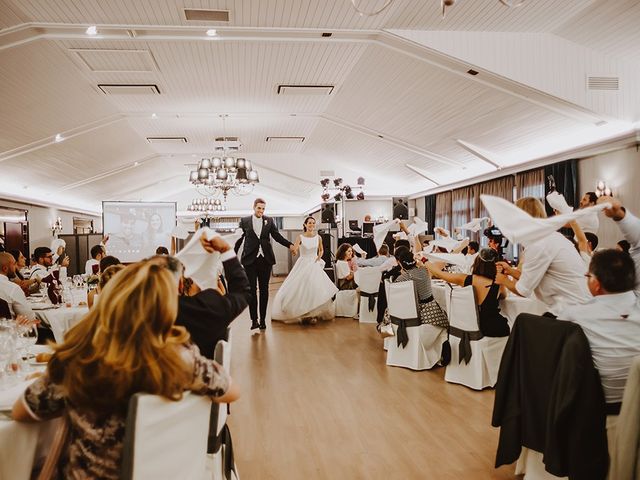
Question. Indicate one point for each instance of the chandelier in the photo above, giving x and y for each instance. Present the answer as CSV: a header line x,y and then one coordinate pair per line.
x,y
224,173
207,206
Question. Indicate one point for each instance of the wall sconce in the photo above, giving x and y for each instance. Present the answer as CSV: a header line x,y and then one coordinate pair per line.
x,y
602,189
56,227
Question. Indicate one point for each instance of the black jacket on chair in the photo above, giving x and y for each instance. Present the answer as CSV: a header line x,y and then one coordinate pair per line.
x,y
252,243
207,314
549,398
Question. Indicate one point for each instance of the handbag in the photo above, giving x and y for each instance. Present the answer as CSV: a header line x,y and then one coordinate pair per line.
x,y
386,330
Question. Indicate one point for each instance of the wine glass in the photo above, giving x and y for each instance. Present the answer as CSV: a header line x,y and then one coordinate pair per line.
x,y
7,348
28,336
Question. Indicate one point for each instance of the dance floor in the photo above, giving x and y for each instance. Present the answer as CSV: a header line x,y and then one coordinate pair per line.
x,y
318,402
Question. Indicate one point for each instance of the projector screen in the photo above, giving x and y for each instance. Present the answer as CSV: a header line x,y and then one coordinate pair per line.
x,y
136,229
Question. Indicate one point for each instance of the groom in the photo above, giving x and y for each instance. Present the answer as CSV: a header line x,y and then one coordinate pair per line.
x,y
258,258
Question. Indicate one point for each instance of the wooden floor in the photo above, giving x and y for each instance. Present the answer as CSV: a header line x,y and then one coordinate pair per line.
x,y
318,402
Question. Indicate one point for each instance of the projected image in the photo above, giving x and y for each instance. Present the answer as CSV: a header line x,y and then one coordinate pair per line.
x,y
137,229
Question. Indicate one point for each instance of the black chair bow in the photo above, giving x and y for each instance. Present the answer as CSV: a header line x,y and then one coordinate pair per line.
x,y
403,324
371,299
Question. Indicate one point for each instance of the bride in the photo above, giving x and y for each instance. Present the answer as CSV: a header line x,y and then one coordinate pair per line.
x,y
307,293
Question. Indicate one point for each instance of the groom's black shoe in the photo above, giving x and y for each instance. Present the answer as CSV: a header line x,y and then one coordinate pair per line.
x,y
254,324
263,326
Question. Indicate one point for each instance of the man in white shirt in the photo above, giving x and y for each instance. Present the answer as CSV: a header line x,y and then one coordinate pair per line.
x,y
611,320
9,291
589,223
629,225
97,254
44,259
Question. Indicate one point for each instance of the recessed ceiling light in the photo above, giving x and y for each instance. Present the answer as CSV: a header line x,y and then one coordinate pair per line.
x,y
58,138
92,30
212,32
154,116
135,164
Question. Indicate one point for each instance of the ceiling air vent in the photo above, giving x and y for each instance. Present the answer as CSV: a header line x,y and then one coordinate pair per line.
x,y
167,140
285,139
305,89
603,83
129,89
203,15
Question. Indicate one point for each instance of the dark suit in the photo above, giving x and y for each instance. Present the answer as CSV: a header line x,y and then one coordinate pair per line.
x,y
258,267
207,314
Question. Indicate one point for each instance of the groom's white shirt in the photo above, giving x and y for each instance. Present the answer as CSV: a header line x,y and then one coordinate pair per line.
x,y
257,227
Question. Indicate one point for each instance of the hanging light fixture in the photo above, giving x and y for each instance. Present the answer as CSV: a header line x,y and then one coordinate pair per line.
x,y
224,173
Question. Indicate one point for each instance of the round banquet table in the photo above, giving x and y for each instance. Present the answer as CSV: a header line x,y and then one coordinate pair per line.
x,y
62,319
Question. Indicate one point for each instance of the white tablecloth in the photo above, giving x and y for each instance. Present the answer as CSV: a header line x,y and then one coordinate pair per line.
x,y
62,319
22,444
510,307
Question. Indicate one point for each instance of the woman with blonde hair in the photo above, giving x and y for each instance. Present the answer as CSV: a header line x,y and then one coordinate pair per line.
x,y
127,344
108,274
551,270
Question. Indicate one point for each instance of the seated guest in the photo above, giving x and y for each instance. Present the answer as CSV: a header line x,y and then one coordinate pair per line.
x,y
421,280
345,267
585,243
43,258
97,254
390,271
109,261
162,251
382,257
552,268
487,292
11,293
611,320
471,249
629,225
27,285
207,313
128,344
105,276
58,247
623,246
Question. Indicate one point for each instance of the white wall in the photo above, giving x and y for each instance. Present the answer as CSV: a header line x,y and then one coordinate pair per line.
x,y
420,208
41,217
356,210
620,170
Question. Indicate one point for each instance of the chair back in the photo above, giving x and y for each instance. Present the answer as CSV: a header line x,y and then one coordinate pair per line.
x,y
368,279
165,439
463,311
401,299
5,311
219,411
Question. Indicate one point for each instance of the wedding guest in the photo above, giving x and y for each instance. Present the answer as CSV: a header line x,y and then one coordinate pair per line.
x,y
58,247
206,313
391,269
126,345
552,268
43,258
345,267
11,293
28,285
109,261
487,293
589,223
105,276
611,319
472,249
162,251
379,259
97,253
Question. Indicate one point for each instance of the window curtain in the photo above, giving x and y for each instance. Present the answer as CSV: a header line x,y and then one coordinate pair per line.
x,y
565,175
463,205
531,184
443,210
430,212
500,187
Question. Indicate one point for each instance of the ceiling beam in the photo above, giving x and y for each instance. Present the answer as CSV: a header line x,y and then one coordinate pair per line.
x,y
421,173
484,155
60,137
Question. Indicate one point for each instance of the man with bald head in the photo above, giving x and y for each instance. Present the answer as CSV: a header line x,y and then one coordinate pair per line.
x,y
11,292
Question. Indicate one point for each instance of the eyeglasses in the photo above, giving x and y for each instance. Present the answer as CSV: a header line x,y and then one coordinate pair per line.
x,y
49,256
588,275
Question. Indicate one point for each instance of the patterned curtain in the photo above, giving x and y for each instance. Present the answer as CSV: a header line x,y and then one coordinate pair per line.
x,y
500,187
531,184
443,210
463,205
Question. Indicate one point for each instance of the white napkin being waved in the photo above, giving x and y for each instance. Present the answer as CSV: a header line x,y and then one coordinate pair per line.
x,y
380,232
452,258
203,267
474,225
558,203
418,227
520,227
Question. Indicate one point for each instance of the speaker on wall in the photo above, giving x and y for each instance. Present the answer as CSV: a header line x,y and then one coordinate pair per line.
x,y
328,214
401,208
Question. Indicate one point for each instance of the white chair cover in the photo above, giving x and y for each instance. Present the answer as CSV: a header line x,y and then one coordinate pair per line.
x,y
165,439
482,369
368,279
424,348
346,303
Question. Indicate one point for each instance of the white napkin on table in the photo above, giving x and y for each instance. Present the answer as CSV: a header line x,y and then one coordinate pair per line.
x,y
520,227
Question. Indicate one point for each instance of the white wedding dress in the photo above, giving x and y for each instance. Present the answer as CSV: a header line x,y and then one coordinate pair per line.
x,y
307,291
